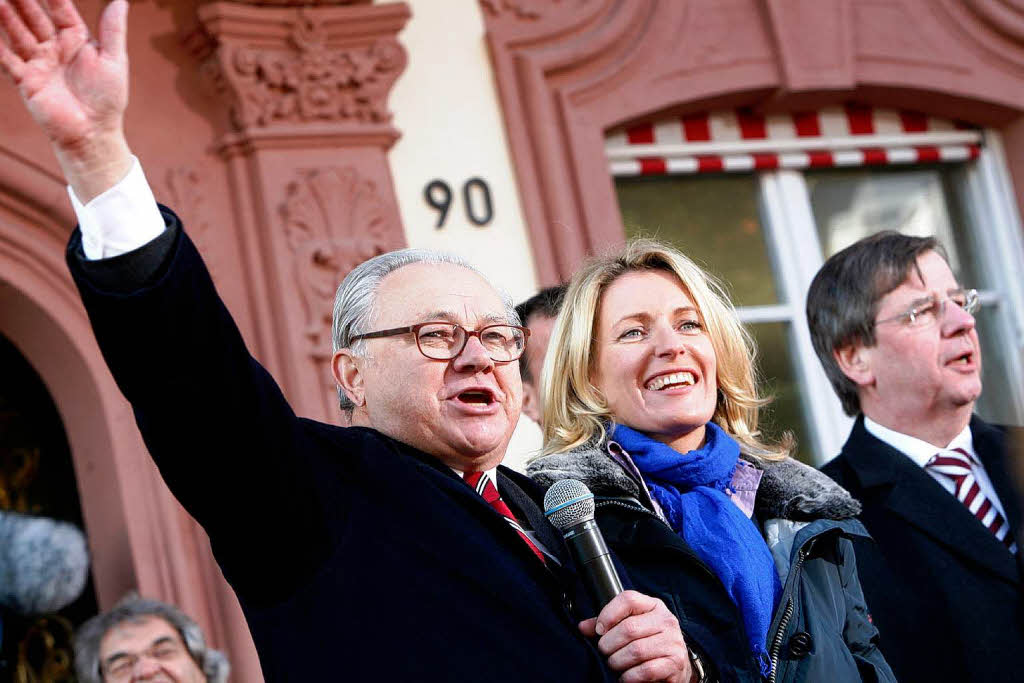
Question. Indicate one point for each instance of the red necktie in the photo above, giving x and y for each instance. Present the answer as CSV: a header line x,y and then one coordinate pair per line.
x,y
483,485
956,466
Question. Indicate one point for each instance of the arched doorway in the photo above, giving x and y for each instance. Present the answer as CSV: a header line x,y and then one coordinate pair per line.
x,y
36,478
139,537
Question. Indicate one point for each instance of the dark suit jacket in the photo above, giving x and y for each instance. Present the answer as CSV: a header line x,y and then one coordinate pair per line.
x,y
945,595
355,557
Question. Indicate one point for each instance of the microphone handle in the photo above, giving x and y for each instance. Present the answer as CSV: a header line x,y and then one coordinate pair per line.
x,y
594,561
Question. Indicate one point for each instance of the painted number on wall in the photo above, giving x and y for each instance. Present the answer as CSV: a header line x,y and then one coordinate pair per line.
x,y
476,197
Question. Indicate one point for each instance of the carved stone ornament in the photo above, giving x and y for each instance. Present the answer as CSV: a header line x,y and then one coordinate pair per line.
x,y
184,188
1005,16
529,10
305,3
307,79
334,219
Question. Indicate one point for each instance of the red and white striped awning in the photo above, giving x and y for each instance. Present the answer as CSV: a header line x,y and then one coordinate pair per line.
x,y
741,140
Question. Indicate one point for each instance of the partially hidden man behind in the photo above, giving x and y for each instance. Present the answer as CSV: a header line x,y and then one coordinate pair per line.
x,y
538,314
356,553
895,333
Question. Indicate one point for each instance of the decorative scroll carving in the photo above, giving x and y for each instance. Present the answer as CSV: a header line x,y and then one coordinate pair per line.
x,y
334,219
306,80
1004,16
184,188
530,10
890,31
994,26
305,3
184,185
278,3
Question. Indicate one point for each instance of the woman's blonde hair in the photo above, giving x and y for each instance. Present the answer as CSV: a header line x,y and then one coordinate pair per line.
x,y
575,411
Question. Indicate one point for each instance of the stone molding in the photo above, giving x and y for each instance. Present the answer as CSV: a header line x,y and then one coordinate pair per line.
x,y
42,189
184,187
524,10
304,3
1005,16
305,88
823,59
334,219
283,66
569,70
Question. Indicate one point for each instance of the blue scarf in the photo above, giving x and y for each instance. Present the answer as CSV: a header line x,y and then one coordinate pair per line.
x,y
691,489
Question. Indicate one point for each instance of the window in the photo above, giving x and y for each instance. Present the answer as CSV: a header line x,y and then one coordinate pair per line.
x,y
803,187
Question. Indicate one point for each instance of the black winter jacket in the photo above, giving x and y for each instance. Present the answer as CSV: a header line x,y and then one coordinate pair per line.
x,y
821,630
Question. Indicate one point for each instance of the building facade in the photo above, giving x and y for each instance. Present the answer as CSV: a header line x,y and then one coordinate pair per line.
x,y
298,138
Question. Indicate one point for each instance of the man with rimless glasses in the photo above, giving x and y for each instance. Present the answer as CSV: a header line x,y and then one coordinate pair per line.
x,y
396,549
896,335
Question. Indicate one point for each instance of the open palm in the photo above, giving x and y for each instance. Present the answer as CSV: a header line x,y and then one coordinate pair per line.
x,y
73,87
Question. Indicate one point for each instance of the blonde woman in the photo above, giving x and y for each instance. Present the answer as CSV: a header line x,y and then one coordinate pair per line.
x,y
650,400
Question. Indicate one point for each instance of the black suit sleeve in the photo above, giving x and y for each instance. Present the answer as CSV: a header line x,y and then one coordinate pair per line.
x,y
131,270
225,440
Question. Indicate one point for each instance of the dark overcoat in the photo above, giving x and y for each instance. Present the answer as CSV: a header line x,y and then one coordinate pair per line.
x,y
945,595
354,557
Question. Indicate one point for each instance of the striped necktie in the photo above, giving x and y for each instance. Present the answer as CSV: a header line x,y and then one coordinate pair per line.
x,y
483,485
955,466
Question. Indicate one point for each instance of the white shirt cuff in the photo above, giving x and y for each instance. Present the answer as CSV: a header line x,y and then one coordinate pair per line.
x,y
121,219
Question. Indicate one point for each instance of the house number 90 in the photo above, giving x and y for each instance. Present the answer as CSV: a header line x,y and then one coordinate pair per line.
x,y
476,196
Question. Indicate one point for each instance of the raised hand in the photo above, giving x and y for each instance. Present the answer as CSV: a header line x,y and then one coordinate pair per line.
x,y
75,88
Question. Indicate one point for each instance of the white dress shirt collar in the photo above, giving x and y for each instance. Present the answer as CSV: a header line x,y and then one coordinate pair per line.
x,y
917,450
491,474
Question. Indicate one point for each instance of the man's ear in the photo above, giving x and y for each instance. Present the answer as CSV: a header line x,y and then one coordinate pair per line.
x,y
345,367
855,362
531,402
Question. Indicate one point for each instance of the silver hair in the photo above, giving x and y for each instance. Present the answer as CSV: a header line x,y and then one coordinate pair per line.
x,y
356,299
133,609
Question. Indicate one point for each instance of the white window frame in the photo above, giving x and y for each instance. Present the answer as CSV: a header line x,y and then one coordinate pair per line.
x,y
792,242
991,203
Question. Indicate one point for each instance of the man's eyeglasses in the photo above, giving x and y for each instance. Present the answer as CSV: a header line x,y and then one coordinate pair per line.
x,y
445,341
928,311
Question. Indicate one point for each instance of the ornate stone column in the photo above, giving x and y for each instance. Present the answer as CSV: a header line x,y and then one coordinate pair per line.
x,y
306,146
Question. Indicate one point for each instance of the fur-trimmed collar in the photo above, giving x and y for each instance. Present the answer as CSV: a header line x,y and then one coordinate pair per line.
x,y
789,489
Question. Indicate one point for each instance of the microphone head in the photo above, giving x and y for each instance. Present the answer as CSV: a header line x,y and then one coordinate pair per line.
x,y
568,503
44,563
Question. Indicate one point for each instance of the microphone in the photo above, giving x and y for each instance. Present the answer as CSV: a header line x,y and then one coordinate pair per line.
x,y
569,506
44,563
